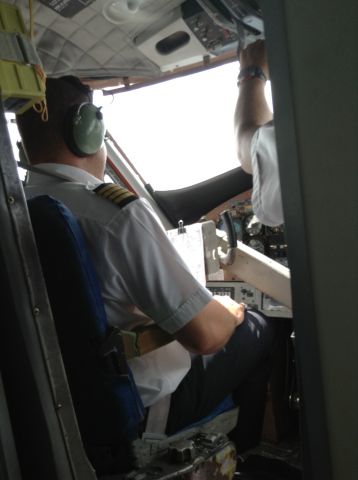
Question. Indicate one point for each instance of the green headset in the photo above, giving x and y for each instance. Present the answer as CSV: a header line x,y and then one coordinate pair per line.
x,y
84,129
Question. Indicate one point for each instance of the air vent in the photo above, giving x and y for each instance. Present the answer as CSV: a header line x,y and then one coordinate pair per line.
x,y
172,42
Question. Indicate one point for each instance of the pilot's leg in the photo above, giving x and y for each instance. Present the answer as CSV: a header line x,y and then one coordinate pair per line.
x,y
242,368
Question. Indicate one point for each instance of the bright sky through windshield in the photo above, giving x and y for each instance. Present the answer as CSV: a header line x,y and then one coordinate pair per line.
x,y
178,132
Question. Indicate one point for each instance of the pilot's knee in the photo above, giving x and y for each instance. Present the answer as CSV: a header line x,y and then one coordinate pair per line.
x,y
264,328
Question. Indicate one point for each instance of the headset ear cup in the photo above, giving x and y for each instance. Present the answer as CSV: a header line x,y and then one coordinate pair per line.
x,y
84,129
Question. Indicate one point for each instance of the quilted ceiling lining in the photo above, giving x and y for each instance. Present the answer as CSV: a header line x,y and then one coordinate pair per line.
x,y
88,45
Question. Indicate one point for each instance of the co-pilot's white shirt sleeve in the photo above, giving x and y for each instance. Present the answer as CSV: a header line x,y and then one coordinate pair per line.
x,y
266,192
153,275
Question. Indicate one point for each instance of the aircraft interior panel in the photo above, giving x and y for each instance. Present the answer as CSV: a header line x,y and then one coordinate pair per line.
x,y
312,392
269,241
251,296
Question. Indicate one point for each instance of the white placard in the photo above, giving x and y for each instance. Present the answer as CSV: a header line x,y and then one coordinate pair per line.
x,y
190,246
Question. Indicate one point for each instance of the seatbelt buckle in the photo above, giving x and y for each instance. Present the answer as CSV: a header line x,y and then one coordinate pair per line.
x,y
127,344
130,344
143,340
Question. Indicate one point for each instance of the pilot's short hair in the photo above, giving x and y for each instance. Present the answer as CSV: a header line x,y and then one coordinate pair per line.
x,y
38,134
75,84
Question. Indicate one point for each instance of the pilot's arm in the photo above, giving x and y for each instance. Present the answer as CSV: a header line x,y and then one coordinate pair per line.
x,y
213,326
255,135
252,110
146,265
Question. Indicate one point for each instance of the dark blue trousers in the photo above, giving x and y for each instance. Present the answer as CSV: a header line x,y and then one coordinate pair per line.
x,y
242,368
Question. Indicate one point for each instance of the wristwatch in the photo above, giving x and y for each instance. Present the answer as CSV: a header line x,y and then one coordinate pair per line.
x,y
250,72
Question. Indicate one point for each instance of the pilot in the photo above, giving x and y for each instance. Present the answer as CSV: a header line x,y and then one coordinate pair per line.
x,y
219,347
255,135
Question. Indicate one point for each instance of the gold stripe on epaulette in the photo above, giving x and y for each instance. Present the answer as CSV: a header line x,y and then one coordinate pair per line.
x,y
106,190
104,187
112,191
115,193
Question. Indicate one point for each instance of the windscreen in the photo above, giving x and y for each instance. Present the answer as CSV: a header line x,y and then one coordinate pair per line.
x,y
178,132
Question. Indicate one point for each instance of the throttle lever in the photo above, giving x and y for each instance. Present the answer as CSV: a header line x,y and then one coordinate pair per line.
x,y
229,228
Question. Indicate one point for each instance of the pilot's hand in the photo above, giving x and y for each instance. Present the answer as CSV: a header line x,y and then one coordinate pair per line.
x,y
237,309
255,54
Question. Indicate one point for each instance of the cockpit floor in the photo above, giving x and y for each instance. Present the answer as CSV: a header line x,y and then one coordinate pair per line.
x,y
271,462
257,467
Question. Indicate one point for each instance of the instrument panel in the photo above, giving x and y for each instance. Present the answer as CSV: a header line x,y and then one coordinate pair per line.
x,y
267,240
245,293
249,230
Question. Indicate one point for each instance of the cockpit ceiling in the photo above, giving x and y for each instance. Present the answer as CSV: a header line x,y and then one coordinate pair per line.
x,y
109,39
90,45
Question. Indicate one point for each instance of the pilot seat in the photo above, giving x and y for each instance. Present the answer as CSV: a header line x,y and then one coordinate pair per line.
x,y
109,411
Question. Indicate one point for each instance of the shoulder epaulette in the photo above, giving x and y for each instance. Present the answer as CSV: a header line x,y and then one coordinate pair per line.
x,y
115,193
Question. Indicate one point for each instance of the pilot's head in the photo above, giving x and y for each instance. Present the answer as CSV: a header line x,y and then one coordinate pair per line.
x,y
74,130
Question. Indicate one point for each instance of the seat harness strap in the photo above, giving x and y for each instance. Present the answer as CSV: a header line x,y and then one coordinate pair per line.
x,y
143,339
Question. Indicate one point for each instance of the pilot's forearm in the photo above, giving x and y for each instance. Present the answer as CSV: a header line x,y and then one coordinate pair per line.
x,y
251,112
212,327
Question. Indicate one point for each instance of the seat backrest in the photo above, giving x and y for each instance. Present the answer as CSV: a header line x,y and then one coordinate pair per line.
x,y
106,401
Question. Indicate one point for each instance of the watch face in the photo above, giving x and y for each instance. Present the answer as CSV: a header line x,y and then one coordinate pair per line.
x,y
252,225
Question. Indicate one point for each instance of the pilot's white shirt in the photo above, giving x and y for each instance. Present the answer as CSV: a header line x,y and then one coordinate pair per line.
x,y
266,191
140,272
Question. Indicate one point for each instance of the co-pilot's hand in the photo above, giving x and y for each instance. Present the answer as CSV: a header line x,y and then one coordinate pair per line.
x,y
255,54
237,309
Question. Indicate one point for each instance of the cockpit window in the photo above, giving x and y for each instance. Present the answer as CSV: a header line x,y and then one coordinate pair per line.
x,y
178,132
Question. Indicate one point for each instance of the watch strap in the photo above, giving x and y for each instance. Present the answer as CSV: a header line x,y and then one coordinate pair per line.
x,y
250,72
